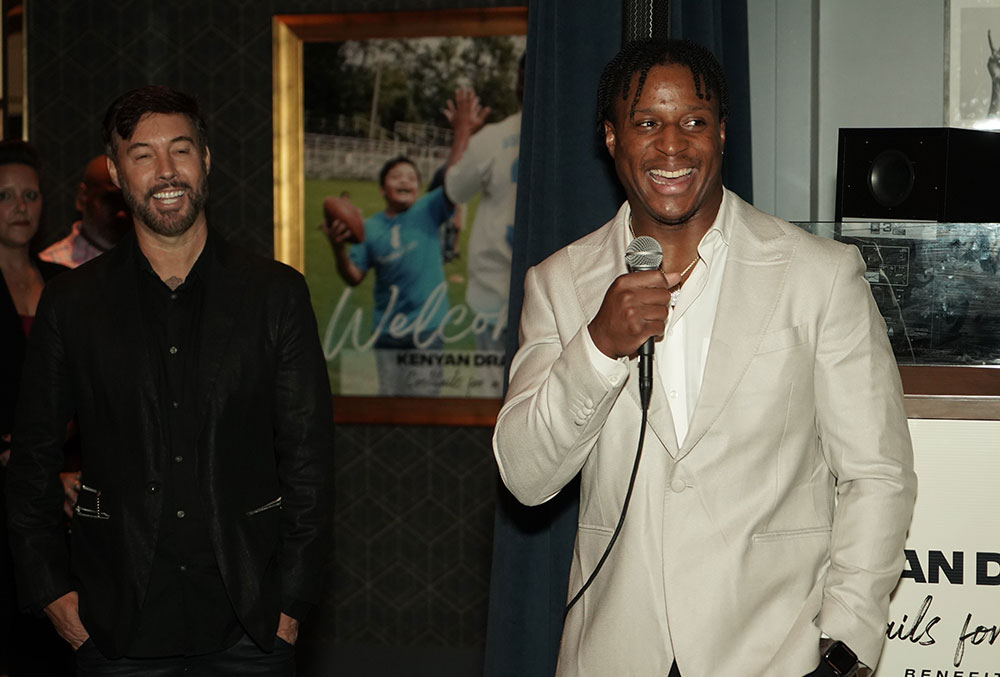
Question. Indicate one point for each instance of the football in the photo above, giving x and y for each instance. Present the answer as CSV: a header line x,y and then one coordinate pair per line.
x,y
343,209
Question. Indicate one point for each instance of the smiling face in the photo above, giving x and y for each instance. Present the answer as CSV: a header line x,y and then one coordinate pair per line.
x,y
400,187
162,174
20,205
668,153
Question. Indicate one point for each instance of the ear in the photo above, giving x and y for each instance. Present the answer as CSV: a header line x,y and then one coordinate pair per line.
x,y
113,172
609,137
80,201
722,136
208,160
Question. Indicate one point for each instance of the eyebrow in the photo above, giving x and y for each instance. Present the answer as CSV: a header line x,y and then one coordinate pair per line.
x,y
687,109
176,139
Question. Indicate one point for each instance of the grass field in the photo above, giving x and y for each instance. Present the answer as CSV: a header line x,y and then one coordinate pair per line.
x,y
327,288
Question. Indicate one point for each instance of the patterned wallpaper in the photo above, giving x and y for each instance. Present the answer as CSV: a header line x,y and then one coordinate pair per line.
x,y
414,506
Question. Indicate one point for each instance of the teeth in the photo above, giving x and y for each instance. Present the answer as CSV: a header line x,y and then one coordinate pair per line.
x,y
168,194
662,173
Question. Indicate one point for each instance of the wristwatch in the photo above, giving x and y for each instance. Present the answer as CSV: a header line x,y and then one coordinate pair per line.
x,y
839,657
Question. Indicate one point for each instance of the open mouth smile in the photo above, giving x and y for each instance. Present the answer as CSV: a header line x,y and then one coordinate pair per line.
x,y
660,175
168,197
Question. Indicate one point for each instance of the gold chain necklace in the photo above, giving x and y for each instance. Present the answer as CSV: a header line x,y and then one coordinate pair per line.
x,y
675,291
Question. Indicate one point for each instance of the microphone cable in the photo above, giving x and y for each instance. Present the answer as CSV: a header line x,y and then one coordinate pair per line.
x,y
643,253
621,518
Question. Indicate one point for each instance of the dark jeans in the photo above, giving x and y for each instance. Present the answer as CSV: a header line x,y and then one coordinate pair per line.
x,y
243,658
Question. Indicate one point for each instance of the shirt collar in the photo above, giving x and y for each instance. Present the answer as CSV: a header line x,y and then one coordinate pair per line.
x,y
199,271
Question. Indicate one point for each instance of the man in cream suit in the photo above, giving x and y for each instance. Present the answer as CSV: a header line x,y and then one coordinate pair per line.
x,y
765,529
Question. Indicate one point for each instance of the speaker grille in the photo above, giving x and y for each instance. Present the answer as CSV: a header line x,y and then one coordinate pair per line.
x,y
923,173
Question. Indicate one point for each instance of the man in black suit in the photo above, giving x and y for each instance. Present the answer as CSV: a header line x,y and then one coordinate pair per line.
x,y
204,412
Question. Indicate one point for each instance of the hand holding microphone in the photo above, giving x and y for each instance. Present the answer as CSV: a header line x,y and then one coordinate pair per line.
x,y
636,305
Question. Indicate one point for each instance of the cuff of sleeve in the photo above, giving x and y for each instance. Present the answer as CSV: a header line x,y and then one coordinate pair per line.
x,y
296,608
608,368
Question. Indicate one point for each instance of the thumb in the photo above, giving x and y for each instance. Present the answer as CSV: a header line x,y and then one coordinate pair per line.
x,y
673,279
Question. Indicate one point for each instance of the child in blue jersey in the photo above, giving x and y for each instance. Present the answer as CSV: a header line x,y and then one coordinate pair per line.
x,y
403,246
402,243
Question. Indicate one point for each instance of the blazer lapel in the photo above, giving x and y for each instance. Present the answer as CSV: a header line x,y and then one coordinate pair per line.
x,y
753,282
223,298
594,269
127,345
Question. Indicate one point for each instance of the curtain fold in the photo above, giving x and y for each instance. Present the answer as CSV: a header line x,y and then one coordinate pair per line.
x,y
567,188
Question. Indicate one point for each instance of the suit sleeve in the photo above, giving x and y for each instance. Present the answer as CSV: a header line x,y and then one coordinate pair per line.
x,y
866,443
34,491
557,402
304,446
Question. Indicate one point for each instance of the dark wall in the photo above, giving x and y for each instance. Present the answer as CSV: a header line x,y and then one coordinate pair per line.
x,y
413,523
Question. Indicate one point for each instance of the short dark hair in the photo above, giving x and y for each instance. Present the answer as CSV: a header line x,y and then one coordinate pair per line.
x,y
125,112
398,160
17,152
641,55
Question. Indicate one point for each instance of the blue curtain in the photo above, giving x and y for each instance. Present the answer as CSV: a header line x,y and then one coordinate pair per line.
x,y
567,188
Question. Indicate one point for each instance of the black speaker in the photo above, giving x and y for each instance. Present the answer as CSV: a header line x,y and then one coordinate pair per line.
x,y
919,173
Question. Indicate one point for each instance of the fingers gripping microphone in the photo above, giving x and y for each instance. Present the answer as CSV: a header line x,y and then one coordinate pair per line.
x,y
644,253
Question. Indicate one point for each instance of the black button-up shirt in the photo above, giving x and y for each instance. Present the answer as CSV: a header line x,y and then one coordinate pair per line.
x,y
186,610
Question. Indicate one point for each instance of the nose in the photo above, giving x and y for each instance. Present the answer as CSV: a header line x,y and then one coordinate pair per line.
x,y
671,140
165,166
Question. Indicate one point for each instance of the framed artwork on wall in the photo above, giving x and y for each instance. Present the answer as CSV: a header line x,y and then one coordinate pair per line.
x,y
972,64
406,333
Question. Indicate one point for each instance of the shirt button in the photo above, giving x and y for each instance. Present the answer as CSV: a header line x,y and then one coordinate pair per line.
x,y
173,297
180,514
153,487
175,404
677,486
173,350
673,394
178,459
183,567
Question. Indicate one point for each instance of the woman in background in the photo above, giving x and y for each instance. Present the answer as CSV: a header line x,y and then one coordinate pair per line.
x,y
27,645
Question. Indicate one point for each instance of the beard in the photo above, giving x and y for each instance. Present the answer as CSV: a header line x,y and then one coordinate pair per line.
x,y
170,224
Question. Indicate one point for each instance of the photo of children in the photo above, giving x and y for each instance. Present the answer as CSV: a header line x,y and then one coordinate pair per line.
x,y
387,261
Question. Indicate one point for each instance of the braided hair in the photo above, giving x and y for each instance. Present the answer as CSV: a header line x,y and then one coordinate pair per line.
x,y
641,55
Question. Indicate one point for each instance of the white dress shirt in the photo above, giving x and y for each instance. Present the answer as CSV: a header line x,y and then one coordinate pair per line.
x,y
679,358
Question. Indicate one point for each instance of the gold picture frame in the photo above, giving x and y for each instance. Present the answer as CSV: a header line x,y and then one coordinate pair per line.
x,y
289,33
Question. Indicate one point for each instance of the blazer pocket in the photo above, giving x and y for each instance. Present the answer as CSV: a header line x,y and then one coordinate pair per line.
x,y
783,339
771,536
276,503
596,528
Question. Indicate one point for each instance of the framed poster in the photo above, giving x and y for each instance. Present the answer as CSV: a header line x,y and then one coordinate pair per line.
x,y
972,64
359,102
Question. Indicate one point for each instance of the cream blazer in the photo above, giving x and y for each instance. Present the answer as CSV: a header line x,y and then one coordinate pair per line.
x,y
784,512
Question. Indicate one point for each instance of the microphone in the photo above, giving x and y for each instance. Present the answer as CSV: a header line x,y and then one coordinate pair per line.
x,y
644,253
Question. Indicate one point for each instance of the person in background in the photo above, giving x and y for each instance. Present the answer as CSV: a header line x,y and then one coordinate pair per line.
x,y
103,220
26,645
768,514
489,166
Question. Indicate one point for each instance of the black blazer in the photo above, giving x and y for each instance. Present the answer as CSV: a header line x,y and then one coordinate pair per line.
x,y
13,342
264,448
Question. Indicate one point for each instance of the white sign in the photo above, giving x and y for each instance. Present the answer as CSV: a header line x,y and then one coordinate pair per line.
x,y
944,619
